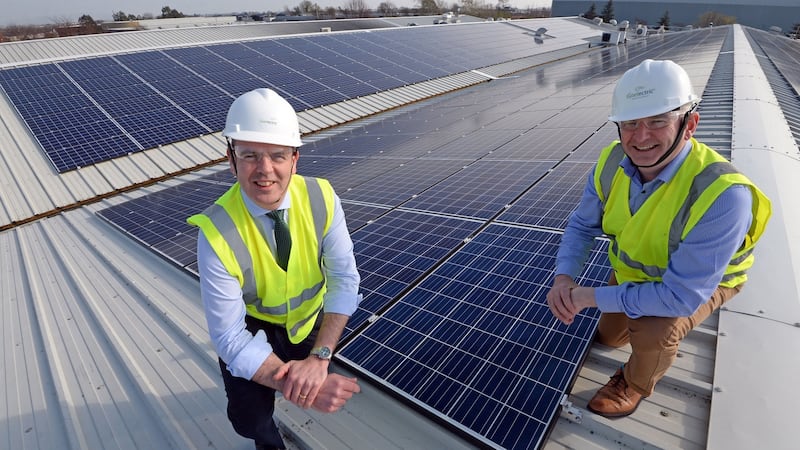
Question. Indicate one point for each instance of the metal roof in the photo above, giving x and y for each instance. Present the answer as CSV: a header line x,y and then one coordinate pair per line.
x,y
105,345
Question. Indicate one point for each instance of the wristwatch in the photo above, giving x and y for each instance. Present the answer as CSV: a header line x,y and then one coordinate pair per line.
x,y
322,353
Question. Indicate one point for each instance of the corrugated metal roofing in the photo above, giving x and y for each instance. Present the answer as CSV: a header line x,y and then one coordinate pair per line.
x,y
105,345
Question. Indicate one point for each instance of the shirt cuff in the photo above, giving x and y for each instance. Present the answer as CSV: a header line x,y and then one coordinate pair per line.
x,y
251,356
339,306
606,299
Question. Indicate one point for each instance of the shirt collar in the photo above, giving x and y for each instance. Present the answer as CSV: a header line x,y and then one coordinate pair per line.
x,y
666,173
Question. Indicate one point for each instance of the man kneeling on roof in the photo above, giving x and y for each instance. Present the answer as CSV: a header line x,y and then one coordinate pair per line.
x,y
683,223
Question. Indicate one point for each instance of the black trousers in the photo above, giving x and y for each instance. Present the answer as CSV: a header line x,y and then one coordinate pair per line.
x,y
251,405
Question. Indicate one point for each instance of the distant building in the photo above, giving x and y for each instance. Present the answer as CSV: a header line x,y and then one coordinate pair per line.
x,y
761,14
281,17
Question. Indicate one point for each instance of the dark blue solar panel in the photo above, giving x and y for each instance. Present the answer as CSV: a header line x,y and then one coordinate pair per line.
x,y
158,220
324,167
142,100
404,181
73,132
146,114
475,343
358,215
358,145
396,250
553,199
481,189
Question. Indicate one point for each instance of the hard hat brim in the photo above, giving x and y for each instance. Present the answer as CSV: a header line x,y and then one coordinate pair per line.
x,y
642,113
264,138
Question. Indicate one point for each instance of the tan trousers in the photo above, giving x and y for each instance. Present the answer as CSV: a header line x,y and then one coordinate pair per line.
x,y
654,340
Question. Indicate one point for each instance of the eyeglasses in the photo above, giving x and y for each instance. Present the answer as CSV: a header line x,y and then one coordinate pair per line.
x,y
253,157
651,123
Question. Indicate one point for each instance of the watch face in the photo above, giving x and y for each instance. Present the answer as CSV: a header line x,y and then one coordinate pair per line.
x,y
322,352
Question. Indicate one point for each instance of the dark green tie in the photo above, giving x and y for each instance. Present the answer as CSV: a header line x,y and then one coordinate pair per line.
x,y
283,240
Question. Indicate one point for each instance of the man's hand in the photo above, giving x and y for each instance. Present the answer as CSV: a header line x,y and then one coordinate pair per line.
x,y
331,394
559,298
335,392
302,380
566,299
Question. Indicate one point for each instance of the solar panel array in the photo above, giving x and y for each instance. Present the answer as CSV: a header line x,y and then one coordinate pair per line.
x,y
780,68
87,111
456,206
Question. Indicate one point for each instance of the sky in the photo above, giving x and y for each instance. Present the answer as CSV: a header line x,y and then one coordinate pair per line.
x,y
35,12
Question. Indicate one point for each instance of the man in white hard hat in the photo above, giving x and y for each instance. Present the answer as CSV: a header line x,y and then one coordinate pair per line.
x,y
682,222
278,276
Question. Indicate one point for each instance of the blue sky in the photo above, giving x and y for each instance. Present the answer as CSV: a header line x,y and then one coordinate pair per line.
x,y
22,12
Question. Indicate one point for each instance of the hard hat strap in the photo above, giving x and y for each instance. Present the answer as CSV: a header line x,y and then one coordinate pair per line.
x,y
233,155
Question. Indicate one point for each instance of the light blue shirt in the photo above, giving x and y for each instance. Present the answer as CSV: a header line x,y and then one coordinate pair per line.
x,y
222,295
694,270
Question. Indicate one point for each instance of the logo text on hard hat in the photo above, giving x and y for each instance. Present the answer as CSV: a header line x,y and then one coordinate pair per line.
x,y
640,92
268,121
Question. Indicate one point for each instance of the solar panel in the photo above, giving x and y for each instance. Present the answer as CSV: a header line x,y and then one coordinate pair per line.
x,y
158,220
475,344
482,189
589,150
550,202
396,250
358,214
71,129
404,181
86,111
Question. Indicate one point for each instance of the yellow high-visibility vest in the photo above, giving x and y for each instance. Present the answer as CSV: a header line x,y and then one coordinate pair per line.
x,y
291,298
641,244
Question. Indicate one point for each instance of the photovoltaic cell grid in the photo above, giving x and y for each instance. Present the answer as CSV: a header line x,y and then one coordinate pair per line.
x,y
357,215
158,220
405,181
475,343
87,111
482,189
552,200
67,124
396,250
542,144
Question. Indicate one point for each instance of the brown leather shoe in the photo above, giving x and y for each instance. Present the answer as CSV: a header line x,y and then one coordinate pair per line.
x,y
616,398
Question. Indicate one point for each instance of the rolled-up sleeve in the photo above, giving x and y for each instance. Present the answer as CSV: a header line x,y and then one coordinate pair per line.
x,y
339,264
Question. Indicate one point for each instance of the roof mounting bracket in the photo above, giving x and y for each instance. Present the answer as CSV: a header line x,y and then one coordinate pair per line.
x,y
573,412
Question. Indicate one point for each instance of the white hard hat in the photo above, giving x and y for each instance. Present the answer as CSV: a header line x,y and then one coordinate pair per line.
x,y
263,116
650,89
